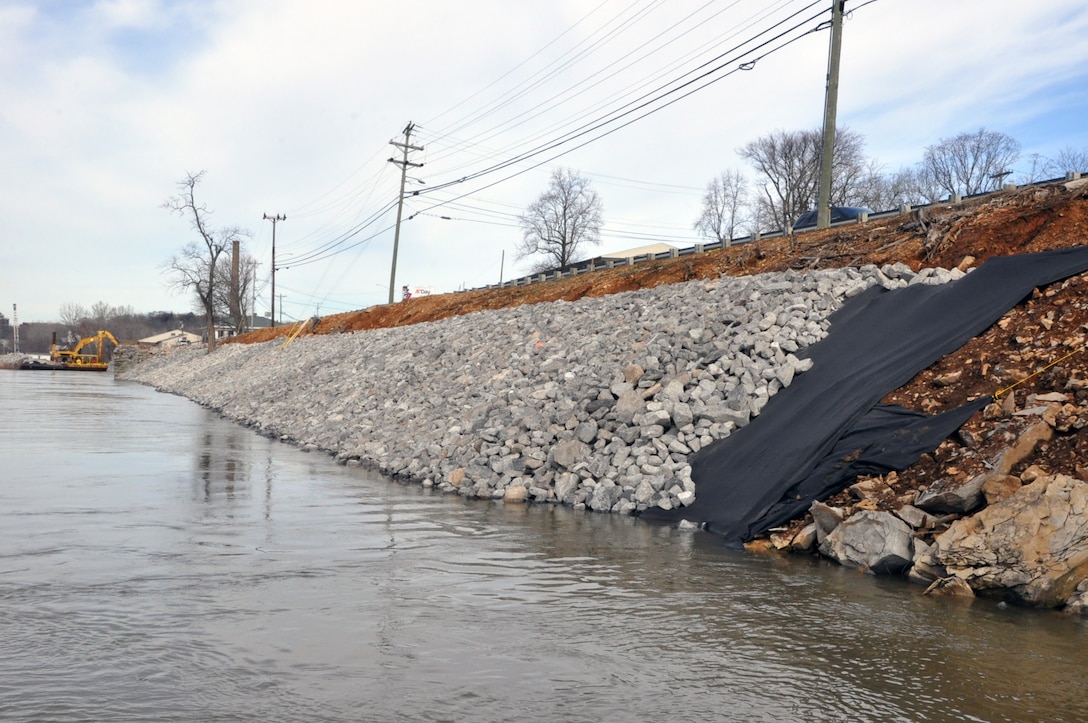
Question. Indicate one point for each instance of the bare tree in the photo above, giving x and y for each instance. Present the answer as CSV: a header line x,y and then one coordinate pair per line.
x,y
786,175
788,168
971,163
227,304
1068,159
101,313
566,217
910,186
850,169
878,190
195,267
1036,170
122,321
920,186
72,314
757,223
126,324
724,207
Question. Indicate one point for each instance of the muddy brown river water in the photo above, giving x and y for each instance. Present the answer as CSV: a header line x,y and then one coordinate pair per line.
x,y
159,563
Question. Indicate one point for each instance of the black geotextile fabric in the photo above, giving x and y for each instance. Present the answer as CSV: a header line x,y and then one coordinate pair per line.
x,y
814,437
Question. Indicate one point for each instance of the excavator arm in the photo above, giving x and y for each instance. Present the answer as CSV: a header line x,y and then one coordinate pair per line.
x,y
98,339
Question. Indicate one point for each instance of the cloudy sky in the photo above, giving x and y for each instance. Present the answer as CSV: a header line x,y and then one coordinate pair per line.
x,y
289,106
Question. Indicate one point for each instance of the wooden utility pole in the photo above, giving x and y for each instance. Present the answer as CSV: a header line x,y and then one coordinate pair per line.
x,y
253,295
827,152
235,293
274,219
404,164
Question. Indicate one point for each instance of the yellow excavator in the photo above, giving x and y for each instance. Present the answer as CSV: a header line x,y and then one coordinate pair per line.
x,y
76,360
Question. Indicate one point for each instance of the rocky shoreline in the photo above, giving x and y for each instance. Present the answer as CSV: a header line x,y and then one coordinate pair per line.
x,y
596,404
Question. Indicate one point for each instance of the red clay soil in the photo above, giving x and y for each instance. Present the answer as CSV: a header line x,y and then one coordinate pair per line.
x,y
1009,223
1045,328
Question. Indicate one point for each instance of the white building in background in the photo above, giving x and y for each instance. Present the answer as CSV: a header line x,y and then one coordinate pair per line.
x,y
171,339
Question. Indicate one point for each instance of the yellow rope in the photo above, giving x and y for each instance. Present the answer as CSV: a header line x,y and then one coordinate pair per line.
x,y
1002,392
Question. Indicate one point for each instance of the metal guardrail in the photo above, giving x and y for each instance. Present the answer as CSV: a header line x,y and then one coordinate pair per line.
x,y
600,263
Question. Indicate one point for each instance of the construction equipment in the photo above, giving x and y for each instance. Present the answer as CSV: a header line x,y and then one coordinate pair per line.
x,y
75,360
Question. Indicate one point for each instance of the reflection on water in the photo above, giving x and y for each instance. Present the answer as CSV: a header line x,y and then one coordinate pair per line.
x,y
224,466
159,563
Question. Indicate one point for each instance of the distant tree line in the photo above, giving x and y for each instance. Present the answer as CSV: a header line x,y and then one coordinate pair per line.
x,y
786,167
75,322
567,216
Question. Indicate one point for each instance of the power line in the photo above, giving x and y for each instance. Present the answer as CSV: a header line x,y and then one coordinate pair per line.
x,y
583,85
534,81
703,79
646,101
630,111
337,246
362,211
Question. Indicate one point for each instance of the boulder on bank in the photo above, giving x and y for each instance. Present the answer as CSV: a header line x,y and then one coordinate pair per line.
x,y
1032,546
1078,603
876,541
826,518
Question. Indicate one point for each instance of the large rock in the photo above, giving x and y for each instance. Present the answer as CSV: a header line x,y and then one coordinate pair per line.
x,y
871,540
1031,547
950,587
566,487
628,405
569,453
916,518
605,494
826,518
925,569
1078,603
947,496
516,493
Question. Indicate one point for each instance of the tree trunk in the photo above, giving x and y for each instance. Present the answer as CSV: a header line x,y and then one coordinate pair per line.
x,y
210,319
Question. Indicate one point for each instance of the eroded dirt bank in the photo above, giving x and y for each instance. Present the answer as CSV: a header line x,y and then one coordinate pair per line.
x,y
1010,223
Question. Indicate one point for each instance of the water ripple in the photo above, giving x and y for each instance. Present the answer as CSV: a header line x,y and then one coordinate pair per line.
x,y
211,574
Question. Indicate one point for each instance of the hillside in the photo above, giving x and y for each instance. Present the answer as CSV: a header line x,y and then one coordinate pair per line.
x,y
1032,219
1049,326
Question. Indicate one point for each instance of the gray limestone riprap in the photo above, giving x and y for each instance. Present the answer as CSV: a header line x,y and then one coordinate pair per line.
x,y
594,403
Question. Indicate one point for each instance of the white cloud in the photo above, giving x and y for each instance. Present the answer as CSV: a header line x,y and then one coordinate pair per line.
x,y
128,13
290,105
